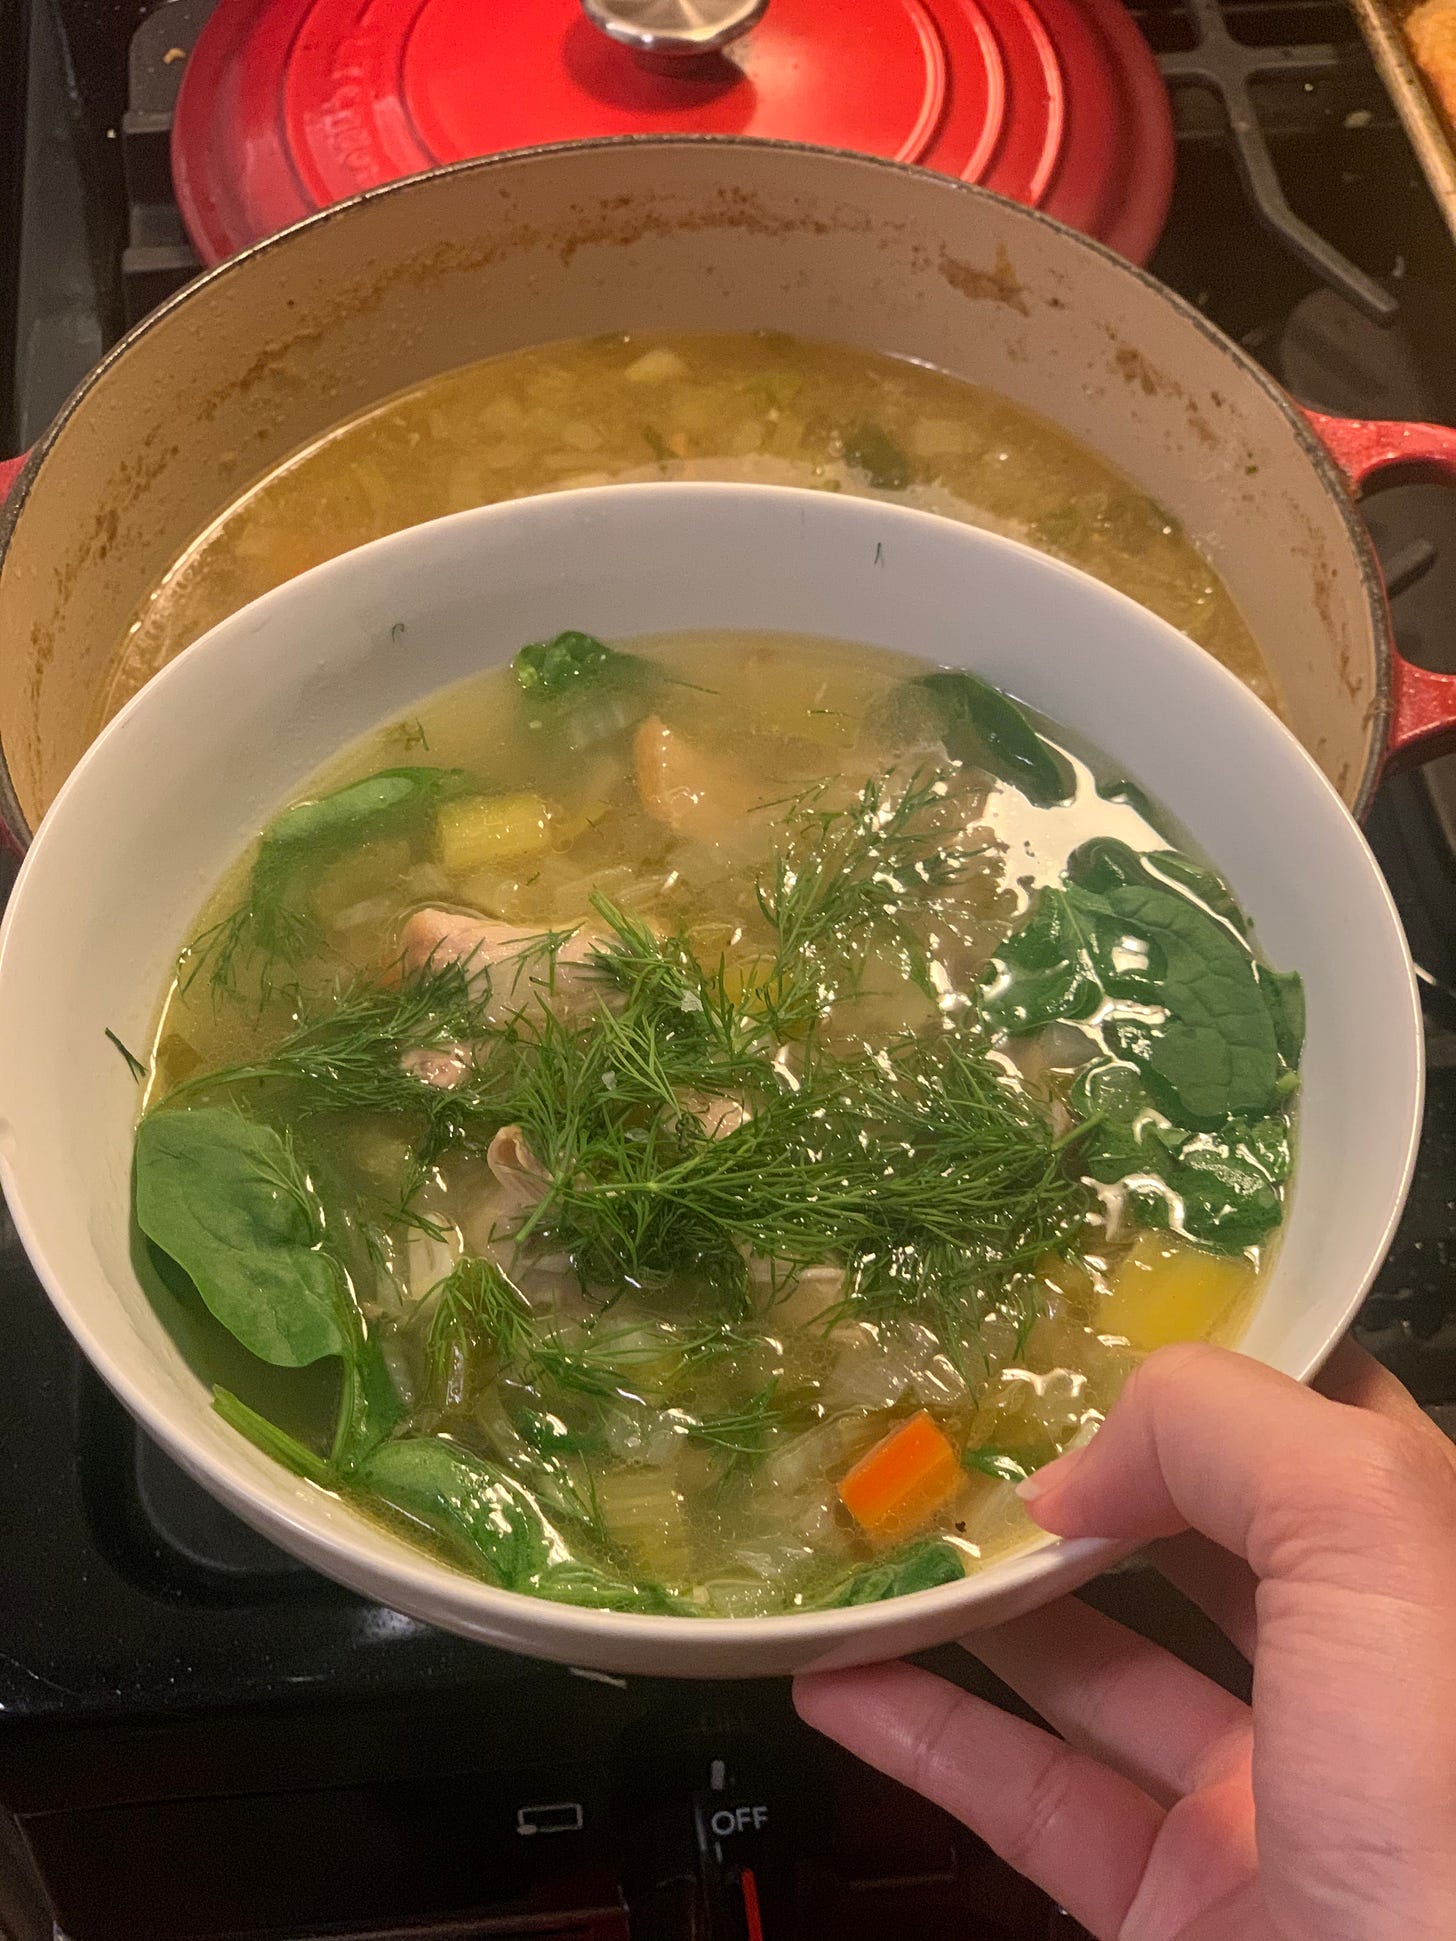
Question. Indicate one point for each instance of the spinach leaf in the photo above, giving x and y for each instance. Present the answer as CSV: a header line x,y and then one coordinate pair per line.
x,y
1202,883
551,668
1216,1054
1284,994
272,1440
357,813
274,918
1219,1189
312,833
1267,1144
1105,863
883,461
1228,1204
1187,1111
919,1567
1121,789
370,1407
1047,970
984,728
995,1462
1113,1152
492,1523
586,691
228,1201
1210,1195
488,1521
1114,930
571,1582
1108,1091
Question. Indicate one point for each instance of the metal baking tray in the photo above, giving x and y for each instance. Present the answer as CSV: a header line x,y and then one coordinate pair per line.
x,y
1433,140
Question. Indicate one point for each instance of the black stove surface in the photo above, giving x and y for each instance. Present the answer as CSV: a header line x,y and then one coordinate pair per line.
x,y
199,1737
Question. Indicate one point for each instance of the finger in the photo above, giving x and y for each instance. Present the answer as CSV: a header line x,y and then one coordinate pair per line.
x,y
1220,1585
1360,1382
1081,1833
1304,1488
1111,1693
1223,1586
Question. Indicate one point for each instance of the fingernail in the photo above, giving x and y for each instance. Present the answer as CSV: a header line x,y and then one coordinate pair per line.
x,y
1050,1476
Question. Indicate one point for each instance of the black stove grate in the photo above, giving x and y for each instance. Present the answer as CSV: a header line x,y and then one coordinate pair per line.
x,y
1226,51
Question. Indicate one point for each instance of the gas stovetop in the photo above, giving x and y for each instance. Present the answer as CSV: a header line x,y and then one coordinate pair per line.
x,y
180,1702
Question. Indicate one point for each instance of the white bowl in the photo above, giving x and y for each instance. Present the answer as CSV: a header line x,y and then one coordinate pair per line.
x,y
219,741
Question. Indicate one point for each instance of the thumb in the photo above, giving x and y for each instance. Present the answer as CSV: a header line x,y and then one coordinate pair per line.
x,y
1205,1439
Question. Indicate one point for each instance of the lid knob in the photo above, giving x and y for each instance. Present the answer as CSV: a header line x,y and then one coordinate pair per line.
x,y
673,33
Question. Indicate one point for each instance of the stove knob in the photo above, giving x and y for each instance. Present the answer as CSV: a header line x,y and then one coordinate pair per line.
x,y
740,1873
717,1867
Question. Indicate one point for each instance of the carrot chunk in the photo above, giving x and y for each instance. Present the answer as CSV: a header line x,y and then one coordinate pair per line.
x,y
900,1484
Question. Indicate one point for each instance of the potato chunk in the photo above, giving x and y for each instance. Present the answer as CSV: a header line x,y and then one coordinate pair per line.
x,y
1164,1290
489,829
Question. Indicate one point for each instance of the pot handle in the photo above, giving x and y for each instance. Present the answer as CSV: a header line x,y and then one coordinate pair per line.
x,y
1423,703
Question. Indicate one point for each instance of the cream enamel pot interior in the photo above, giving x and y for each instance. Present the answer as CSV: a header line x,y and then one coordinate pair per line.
x,y
221,739
264,354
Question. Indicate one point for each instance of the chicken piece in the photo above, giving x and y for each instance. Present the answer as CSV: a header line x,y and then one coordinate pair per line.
x,y
695,793
1431,32
519,1173
507,965
443,1066
718,1116
428,1258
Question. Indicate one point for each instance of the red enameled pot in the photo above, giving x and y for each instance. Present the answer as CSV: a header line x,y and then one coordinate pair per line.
x,y
374,295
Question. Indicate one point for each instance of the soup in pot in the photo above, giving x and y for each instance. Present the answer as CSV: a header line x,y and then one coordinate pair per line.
x,y
763,408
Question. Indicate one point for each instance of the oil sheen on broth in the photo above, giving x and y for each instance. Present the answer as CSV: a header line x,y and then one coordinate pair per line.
x,y
767,408
722,1149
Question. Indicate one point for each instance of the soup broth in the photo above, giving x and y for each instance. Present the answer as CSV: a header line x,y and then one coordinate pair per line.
x,y
772,409
722,1149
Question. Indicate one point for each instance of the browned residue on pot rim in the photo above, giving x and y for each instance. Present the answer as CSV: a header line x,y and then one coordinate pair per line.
x,y
998,285
1133,368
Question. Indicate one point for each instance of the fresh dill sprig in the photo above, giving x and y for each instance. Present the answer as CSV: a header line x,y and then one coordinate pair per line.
x,y
918,1170
474,1307
599,1367
133,1064
849,876
679,1023
743,1435
570,1497
290,1177
275,922
348,1048
612,1366
271,934
846,879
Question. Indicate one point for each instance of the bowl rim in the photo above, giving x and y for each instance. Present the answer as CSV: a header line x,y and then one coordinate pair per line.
x,y
407,1577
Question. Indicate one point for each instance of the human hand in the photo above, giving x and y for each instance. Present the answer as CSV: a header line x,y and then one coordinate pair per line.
x,y
1319,1531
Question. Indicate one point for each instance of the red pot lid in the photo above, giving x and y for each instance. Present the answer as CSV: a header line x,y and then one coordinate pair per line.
x,y
289,105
